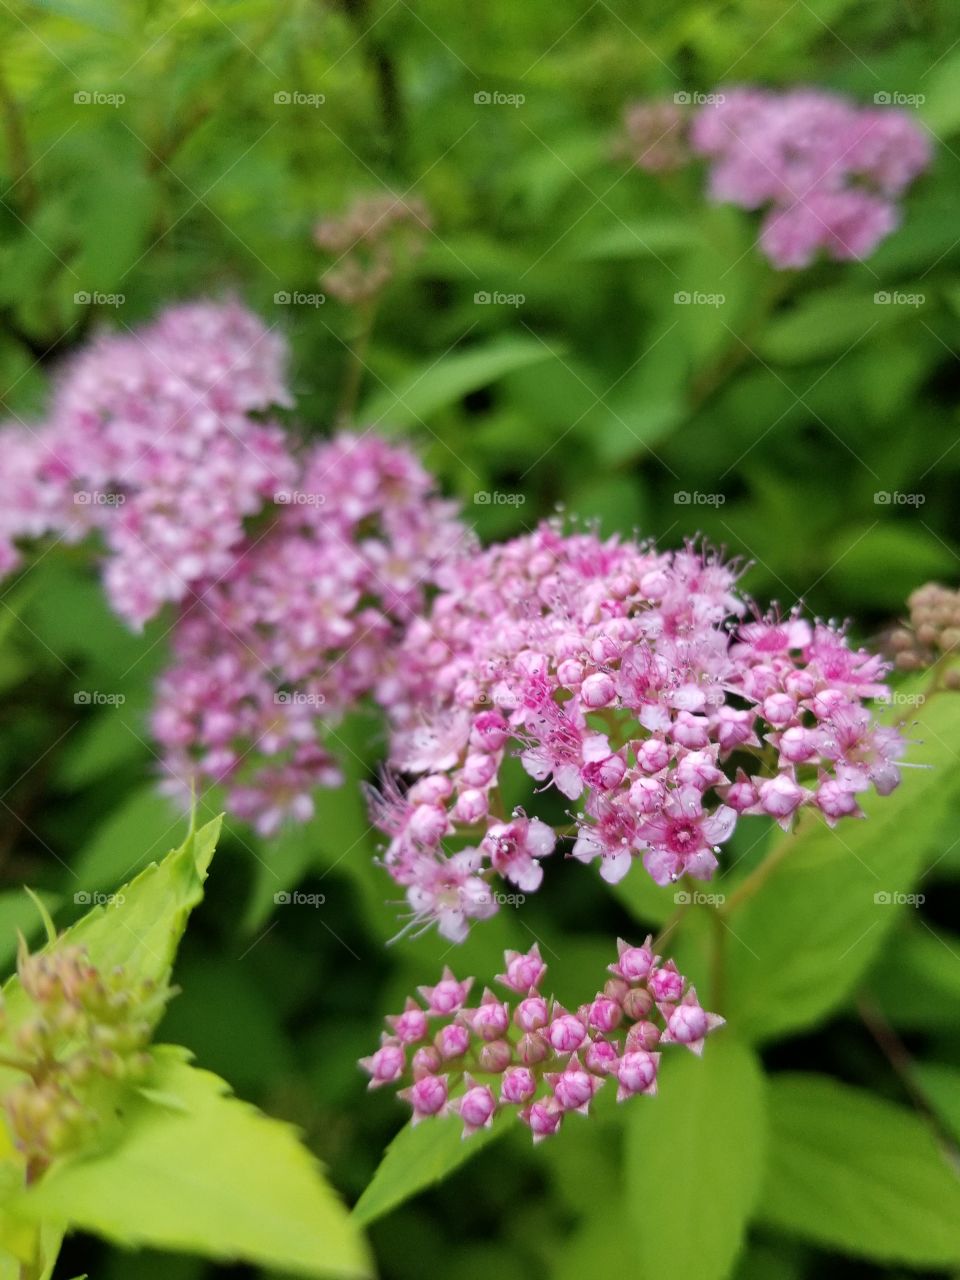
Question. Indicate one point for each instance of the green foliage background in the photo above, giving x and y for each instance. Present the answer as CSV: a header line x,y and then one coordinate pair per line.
x,y
818,1119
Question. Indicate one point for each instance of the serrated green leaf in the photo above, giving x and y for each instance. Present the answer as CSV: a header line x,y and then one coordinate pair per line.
x,y
139,928
419,1157
694,1161
213,1176
852,1172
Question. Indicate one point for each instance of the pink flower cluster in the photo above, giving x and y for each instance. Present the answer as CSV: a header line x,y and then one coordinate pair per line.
x,y
300,628
641,686
529,1054
828,171
153,440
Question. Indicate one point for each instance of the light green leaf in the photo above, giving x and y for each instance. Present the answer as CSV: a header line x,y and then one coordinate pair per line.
x,y
941,1085
694,1161
450,379
803,940
140,926
852,1172
419,1157
212,1176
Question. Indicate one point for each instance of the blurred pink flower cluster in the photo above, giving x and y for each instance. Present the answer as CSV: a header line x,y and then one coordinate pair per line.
x,y
152,440
827,171
529,1054
641,687
300,628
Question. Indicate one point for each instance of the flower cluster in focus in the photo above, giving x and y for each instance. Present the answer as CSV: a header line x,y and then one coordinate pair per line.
x,y
527,1053
639,685
153,440
827,171
84,1027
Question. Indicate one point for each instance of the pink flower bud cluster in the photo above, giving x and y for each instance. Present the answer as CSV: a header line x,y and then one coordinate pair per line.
x,y
300,628
152,440
827,171
529,1054
641,686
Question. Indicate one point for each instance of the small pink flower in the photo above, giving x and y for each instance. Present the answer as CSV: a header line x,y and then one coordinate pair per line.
x,y
518,1086
637,1073
604,1014
566,1032
688,1023
543,1118
476,1108
427,1096
448,996
573,1087
665,983
384,1066
490,1019
633,963
531,1014
601,1056
452,1041
598,690
524,970
411,1025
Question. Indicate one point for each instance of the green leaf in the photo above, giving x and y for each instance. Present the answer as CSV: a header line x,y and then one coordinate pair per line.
x,y
140,926
129,836
417,1158
211,1175
909,556
824,324
694,1160
852,1172
651,237
941,1085
450,379
802,941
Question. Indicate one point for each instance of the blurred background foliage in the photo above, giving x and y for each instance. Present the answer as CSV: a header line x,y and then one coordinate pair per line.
x,y
153,152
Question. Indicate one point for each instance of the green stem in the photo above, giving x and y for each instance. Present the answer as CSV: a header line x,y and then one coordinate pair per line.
x,y
356,364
